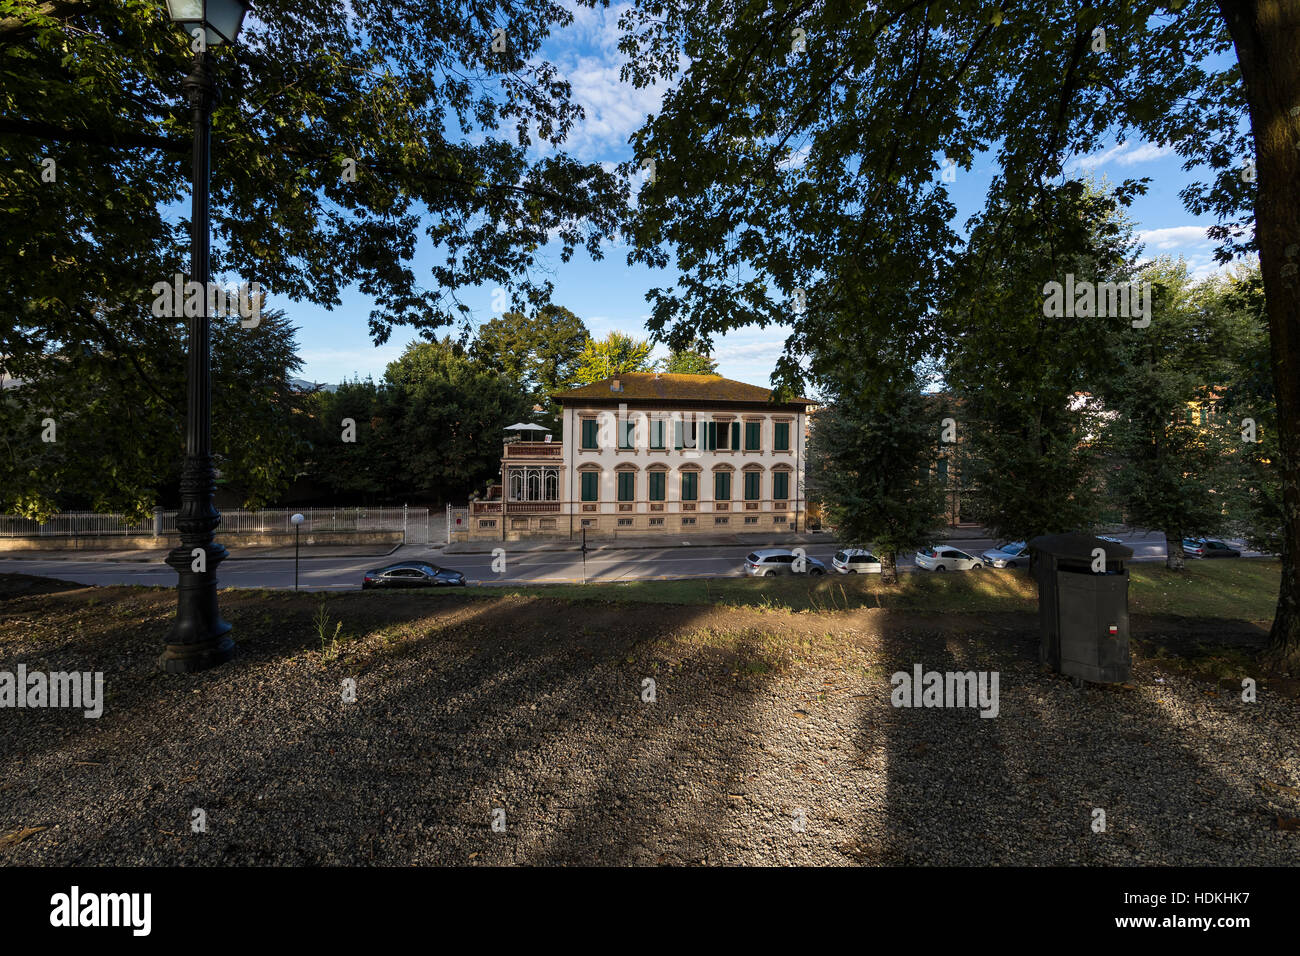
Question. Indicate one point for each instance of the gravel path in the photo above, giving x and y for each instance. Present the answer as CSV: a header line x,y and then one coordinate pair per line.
x,y
772,740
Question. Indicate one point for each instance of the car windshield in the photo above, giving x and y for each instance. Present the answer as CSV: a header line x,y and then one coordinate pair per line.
x,y
753,558
1012,548
841,555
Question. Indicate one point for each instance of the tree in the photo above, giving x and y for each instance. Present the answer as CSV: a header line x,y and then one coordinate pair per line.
x,y
871,459
354,443
540,354
689,362
344,134
453,415
117,415
802,151
1024,381
616,354
1170,452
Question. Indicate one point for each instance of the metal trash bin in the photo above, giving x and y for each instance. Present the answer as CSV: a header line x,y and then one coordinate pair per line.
x,y
1082,613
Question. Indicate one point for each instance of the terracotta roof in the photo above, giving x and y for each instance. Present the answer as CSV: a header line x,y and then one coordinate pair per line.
x,y
649,387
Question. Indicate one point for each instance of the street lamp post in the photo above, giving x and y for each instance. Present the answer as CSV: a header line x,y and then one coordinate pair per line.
x,y
199,638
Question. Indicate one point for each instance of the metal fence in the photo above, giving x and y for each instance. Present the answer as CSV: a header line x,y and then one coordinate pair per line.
x,y
269,521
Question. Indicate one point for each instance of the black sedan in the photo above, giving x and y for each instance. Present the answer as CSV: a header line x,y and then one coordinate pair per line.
x,y
412,574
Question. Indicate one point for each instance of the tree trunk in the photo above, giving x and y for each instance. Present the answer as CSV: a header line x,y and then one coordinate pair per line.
x,y
1266,34
1174,550
889,567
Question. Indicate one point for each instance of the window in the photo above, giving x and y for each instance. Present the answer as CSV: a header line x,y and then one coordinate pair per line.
x,y
590,486
656,522
753,433
782,436
684,434
721,520
735,436
625,522
751,519
690,486
626,434
780,485
688,521
657,485
487,522
589,522
658,432
779,519
590,433
627,486
753,484
721,486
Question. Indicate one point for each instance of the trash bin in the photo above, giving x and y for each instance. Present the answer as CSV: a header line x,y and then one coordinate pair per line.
x,y
1082,612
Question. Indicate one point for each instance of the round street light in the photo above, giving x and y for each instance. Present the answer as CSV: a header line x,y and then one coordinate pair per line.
x,y
199,638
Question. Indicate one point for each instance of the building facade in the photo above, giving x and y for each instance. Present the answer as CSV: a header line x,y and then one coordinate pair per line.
x,y
645,454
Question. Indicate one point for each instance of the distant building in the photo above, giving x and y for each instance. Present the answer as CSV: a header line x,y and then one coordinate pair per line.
x,y
645,453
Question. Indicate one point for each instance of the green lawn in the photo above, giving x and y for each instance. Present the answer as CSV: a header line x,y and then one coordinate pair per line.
x,y
1238,590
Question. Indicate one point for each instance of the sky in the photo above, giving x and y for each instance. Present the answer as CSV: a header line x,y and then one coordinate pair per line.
x,y
610,295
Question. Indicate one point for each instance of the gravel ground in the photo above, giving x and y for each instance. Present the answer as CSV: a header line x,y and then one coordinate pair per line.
x,y
772,740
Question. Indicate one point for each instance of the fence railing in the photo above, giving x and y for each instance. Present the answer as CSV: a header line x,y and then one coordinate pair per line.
x,y
269,521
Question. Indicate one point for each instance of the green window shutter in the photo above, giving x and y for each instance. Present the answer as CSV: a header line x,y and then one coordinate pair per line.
x,y
679,432
588,433
752,479
657,485
690,487
782,436
752,435
657,433
626,486
780,485
721,486
590,486
711,436
735,436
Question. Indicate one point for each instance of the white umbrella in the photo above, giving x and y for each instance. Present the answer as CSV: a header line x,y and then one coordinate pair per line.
x,y
525,427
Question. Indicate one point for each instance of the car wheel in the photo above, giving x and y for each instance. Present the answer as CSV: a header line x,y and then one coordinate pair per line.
x,y
976,567
1010,564
939,567
818,571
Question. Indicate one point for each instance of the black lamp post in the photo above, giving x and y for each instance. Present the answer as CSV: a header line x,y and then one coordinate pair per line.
x,y
199,638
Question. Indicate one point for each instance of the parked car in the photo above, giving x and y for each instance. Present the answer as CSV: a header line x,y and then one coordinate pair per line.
x,y
947,559
412,574
1008,556
855,561
1208,548
760,564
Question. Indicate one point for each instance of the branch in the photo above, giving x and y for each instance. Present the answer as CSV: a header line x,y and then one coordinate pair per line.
x,y
91,137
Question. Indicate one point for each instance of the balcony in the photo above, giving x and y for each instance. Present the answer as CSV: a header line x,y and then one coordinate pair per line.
x,y
534,450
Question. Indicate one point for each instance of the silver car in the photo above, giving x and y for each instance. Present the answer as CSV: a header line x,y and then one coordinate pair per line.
x,y
855,561
944,558
770,561
1008,556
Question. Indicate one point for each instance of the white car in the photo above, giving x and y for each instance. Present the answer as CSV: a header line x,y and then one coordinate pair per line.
x,y
855,561
945,558
1008,556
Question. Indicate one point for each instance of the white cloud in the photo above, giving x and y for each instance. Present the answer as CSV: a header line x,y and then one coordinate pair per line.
x,y
1125,154
1174,238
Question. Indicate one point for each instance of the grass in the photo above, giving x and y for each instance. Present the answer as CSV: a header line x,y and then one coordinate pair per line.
x,y
1235,590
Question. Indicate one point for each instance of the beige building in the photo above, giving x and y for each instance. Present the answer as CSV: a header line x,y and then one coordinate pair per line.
x,y
646,453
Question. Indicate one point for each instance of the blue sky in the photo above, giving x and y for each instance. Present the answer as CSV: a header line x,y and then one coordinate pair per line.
x,y
610,295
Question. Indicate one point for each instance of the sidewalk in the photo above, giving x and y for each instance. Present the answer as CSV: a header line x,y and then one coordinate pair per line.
x,y
749,541
156,555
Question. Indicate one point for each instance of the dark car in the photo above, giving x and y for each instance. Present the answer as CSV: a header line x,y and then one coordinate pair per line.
x,y
1208,548
413,574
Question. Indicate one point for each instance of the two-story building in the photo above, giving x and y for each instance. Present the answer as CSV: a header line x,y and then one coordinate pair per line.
x,y
647,453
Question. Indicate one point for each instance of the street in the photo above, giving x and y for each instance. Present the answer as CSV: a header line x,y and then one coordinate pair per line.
x,y
521,565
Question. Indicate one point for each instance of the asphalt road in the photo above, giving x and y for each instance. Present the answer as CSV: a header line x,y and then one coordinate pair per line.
x,y
521,567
